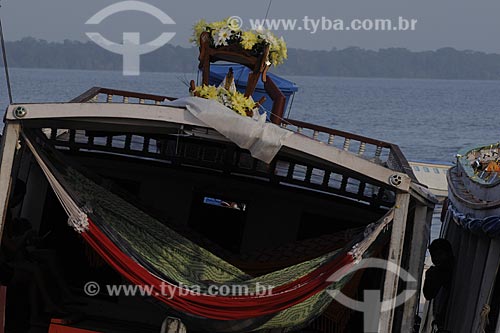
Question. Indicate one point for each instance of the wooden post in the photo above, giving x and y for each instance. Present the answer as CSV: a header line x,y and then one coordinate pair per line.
x,y
490,272
278,99
253,79
395,256
7,153
420,240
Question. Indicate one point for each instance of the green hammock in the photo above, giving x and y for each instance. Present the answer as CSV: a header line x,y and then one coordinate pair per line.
x,y
174,258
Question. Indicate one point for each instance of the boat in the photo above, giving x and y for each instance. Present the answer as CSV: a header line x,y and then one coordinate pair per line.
x,y
471,224
432,175
188,194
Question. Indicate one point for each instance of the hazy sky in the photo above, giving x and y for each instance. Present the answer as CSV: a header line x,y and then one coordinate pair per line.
x,y
463,24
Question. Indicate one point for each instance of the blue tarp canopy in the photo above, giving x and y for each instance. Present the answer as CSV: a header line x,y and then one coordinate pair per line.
x,y
219,71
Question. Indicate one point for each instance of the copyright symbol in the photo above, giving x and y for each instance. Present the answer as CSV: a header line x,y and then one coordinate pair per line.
x,y
235,22
91,288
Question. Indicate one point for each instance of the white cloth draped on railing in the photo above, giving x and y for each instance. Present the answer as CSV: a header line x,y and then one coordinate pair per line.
x,y
261,138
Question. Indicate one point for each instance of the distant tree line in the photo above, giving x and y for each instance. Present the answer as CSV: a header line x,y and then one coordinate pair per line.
x,y
444,63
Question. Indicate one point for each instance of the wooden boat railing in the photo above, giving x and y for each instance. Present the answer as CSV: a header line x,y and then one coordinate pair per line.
x,y
106,95
378,151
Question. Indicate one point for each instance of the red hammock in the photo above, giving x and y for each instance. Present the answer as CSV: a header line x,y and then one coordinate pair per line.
x,y
212,306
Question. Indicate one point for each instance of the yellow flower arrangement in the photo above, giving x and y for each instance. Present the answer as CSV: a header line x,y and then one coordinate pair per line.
x,y
198,29
226,32
248,40
234,100
208,92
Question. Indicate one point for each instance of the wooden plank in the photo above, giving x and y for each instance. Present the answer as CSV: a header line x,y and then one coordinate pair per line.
x,y
106,110
423,195
454,235
421,234
279,101
140,112
488,280
7,153
479,256
457,302
395,256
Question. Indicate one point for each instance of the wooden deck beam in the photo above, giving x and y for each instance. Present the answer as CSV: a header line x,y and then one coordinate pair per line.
x,y
7,153
421,233
110,112
487,283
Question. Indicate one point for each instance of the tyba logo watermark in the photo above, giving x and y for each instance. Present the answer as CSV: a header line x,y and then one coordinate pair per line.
x,y
131,49
372,306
